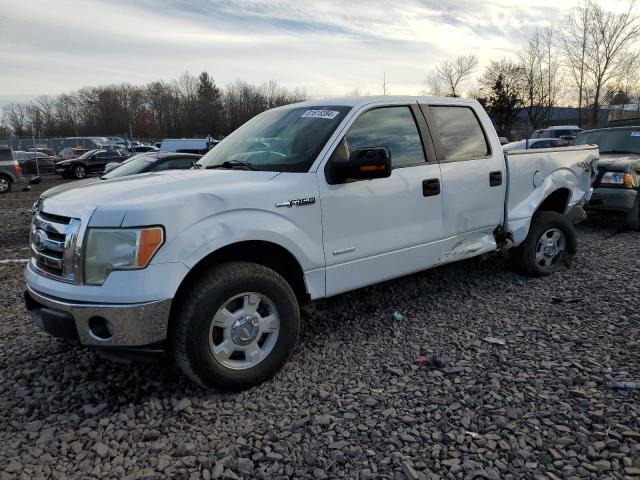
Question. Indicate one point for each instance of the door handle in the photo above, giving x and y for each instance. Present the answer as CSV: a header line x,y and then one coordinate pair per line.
x,y
495,178
431,187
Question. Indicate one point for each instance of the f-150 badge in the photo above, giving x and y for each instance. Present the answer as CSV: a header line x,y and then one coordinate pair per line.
x,y
298,202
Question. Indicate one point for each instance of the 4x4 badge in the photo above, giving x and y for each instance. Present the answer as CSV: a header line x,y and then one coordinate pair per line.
x,y
298,202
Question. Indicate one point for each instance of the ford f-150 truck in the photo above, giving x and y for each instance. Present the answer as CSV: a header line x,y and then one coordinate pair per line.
x,y
302,202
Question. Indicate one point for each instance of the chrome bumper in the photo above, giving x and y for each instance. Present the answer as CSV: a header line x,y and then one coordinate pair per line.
x,y
104,325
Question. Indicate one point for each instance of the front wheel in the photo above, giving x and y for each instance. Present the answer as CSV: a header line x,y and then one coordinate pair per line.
x,y
236,326
633,216
79,172
5,184
548,247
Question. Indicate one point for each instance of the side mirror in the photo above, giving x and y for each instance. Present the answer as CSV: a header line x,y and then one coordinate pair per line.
x,y
363,164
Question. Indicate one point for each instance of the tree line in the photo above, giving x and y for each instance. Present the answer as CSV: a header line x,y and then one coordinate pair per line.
x,y
588,59
185,107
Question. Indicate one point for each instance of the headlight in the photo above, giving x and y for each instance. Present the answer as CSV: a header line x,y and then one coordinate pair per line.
x,y
617,178
111,249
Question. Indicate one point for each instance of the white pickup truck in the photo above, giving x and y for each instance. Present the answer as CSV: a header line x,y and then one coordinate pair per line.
x,y
302,202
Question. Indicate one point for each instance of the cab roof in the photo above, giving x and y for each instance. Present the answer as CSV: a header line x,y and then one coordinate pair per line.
x,y
366,100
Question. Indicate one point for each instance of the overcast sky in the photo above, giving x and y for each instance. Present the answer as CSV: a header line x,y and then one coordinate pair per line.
x,y
325,46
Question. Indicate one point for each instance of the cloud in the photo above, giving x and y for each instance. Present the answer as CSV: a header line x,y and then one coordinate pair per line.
x,y
328,47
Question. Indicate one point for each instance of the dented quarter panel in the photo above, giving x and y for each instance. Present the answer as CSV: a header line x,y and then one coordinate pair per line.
x,y
534,175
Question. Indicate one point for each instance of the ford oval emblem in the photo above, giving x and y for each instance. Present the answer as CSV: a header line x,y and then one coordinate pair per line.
x,y
40,240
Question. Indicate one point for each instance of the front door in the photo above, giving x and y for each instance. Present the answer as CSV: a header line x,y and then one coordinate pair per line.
x,y
374,230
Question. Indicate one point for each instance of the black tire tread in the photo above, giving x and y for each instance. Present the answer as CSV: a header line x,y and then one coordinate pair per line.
x,y
633,216
521,258
208,280
9,181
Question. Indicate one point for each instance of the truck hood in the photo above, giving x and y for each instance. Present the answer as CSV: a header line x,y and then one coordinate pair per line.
x,y
619,162
111,200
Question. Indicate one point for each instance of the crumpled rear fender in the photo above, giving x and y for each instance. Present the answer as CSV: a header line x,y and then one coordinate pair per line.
x,y
535,176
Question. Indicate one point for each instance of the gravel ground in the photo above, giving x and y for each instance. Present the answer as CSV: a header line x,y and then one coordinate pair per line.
x,y
352,401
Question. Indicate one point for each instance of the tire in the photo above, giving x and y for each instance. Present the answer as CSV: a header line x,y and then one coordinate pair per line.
x,y
633,216
5,184
201,346
79,172
550,244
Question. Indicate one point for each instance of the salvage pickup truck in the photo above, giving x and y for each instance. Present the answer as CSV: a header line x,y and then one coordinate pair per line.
x,y
302,202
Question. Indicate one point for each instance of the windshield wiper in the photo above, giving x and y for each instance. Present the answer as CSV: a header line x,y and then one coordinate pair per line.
x,y
232,164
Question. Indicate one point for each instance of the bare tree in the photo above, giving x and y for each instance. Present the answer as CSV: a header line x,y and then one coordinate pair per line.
x,y
597,49
449,77
15,116
540,74
385,86
574,43
610,56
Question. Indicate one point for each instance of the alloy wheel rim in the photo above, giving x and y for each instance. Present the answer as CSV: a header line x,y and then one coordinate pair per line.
x,y
550,248
79,172
244,331
4,185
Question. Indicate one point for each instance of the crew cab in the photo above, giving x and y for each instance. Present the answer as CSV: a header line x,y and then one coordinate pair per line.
x,y
302,202
617,184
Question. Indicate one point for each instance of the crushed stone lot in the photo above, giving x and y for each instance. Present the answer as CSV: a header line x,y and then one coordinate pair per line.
x,y
352,402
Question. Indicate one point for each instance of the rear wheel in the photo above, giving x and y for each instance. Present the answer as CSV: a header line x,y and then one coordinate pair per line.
x,y
236,326
633,216
79,172
5,184
549,245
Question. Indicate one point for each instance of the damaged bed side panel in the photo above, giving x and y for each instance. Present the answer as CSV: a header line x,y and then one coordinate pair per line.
x,y
534,175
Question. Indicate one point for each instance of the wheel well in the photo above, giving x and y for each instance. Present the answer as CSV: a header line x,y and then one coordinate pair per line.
x,y
556,202
269,254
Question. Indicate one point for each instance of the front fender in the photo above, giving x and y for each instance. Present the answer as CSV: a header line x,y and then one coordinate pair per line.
x,y
219,230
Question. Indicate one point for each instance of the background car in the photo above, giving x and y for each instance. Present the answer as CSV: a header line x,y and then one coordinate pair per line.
x,y
145,148
557,131
27,161
10,171
91,162
617,183
151,162
534,143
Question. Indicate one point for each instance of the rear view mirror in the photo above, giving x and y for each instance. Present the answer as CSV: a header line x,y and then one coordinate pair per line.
x,y
363,164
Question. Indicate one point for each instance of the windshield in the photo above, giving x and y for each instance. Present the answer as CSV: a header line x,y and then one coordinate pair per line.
x,y
284,140
130,167
87,154
619,140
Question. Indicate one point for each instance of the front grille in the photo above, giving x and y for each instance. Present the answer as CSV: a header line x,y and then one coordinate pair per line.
x,y
54,242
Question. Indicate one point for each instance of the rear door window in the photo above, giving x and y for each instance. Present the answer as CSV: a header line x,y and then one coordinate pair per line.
x,y
460,133
5,154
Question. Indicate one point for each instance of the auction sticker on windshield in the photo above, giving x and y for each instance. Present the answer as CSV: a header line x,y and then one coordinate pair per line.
x,y
327,114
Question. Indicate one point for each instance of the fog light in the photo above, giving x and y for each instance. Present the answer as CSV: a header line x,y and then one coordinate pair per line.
x,y
99,328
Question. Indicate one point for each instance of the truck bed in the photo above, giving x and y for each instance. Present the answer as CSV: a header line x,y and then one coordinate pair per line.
x,y
535,174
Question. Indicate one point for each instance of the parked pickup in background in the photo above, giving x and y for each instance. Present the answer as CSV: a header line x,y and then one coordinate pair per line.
x,y
302,202
618,178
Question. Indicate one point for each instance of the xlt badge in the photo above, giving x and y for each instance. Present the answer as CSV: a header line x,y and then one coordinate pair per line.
x,y
298,202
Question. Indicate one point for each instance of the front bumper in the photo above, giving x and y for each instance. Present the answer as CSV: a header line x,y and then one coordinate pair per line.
x,y
613,199
100,325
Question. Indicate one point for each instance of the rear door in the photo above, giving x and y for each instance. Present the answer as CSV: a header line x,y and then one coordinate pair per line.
x,y
383,228
473,178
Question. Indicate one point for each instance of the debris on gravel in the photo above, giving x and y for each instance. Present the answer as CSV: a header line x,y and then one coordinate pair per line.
x,y
352,402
